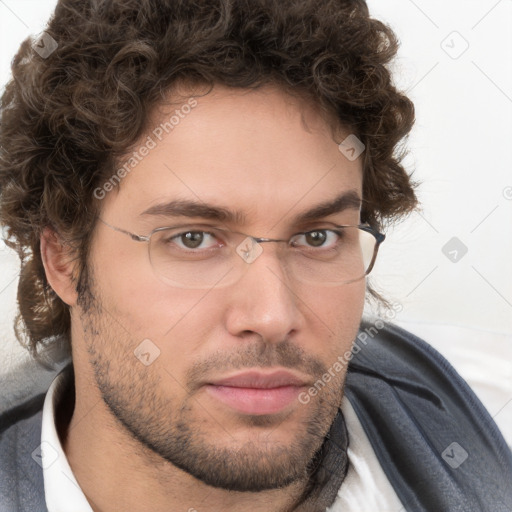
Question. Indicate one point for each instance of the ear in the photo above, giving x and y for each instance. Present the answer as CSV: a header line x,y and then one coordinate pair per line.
x,y
58,265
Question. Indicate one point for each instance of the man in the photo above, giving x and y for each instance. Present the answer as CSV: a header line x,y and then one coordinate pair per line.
x,y
196,191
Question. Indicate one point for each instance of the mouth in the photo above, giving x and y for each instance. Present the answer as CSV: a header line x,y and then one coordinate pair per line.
x,y
257,392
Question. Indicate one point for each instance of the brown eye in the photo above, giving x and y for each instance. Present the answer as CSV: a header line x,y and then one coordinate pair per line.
x,y
192,239
316,239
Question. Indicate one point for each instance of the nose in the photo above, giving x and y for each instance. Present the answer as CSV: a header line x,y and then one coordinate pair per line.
x,y
263,301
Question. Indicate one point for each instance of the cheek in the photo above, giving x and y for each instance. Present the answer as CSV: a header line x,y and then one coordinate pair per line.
x,y
139,303
341,310
338,313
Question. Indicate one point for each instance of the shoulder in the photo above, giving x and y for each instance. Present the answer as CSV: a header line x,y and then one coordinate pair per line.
x,y
434,439
21,476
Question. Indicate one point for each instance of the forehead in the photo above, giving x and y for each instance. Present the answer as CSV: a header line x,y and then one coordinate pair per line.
x,y
260,152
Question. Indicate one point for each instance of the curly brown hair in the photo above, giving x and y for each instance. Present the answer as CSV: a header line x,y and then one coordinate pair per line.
x,y
67,120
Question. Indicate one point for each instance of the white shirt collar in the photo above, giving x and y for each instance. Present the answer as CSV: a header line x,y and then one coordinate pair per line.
x,y
365,487
62,492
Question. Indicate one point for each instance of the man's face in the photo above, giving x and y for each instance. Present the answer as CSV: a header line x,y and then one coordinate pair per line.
x,y
218,395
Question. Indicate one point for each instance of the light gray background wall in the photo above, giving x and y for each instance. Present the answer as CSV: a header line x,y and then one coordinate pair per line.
x,y
455,62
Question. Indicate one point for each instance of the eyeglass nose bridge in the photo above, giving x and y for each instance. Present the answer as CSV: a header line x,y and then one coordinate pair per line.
x,y
261,240
250,248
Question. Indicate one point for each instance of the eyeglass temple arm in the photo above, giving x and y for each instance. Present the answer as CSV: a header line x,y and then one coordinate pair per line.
x,y
133,236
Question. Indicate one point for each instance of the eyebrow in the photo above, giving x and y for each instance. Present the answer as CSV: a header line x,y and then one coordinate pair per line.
x,y
187,208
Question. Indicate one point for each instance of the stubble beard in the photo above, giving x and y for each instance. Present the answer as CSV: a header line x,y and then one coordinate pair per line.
x,y
177,433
